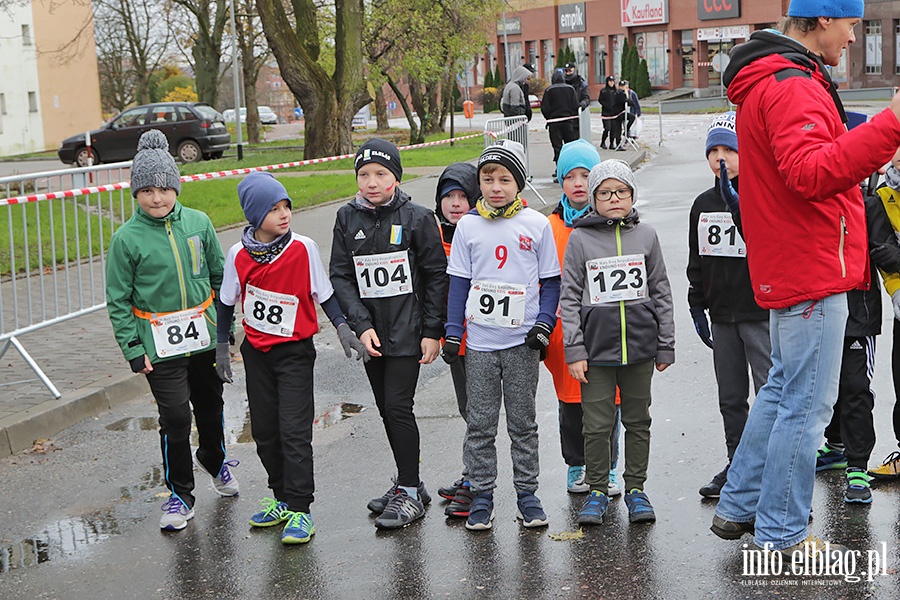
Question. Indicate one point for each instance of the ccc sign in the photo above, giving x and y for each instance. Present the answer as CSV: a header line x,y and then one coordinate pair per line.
x,y
708,10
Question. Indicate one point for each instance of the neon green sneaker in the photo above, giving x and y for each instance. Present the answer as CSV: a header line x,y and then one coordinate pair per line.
x,y
299,528
273,513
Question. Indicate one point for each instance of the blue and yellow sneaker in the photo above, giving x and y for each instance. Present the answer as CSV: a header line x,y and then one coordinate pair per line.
x,y
299,528
273,513
829,458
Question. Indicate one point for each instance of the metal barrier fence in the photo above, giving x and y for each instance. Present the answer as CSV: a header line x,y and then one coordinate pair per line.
x,y
52,254
509,128
516,129
584,124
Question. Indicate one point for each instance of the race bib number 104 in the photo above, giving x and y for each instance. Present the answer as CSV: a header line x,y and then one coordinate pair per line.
x,y
617,278
383,275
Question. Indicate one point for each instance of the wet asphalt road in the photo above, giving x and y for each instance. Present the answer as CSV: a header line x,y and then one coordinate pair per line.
x,y
80,521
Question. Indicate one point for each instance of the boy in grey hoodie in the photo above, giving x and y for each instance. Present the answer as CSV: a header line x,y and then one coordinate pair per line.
x,y
614,280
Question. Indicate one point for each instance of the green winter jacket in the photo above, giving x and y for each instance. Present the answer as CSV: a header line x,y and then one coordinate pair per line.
x,y
159,266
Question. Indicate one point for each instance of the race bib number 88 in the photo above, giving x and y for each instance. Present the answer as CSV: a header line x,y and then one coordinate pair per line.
x,y
617,278
718,236
383,275
270,312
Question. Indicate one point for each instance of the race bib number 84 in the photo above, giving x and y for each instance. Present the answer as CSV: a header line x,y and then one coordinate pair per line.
x,y
617,278
383,275
718,236
179,333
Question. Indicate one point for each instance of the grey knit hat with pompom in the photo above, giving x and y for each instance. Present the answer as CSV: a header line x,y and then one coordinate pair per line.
x,y
615,169
153,166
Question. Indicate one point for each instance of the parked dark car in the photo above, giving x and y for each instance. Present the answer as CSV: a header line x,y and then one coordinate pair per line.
x,y
195,130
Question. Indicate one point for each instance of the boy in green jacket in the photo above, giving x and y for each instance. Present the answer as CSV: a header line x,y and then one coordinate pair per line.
x,y
163,269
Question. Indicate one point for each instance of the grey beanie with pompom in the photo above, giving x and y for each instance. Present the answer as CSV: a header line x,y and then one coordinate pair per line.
x,y
153,166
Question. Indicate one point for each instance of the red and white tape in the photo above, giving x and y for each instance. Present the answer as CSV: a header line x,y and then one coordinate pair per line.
x,y
73,193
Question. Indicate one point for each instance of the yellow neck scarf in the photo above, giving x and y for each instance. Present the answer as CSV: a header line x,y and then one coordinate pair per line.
x,y
506,212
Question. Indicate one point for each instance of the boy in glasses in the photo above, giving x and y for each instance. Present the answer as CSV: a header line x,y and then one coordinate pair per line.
x,y
616,307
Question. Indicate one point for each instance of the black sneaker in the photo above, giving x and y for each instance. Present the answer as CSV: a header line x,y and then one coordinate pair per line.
x,y
730,530
461,504
603,145
401,510
377,505
449,491
858,491
714,487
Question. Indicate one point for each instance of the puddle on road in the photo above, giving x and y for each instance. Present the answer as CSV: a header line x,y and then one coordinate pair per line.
x,y
336,414
68,537
135,424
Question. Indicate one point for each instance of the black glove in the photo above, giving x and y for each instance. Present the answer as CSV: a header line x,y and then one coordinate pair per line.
x,y
701,324
885,255
137,363
349,342
538,337
729,194
450,351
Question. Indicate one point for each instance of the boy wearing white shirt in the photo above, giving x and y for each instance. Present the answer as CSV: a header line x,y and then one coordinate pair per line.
x,y
504,291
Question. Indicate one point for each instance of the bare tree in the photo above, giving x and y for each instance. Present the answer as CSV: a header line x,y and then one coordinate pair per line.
x,y
132,42
207,22
330,100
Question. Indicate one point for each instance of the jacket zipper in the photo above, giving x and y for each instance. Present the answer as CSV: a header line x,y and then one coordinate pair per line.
x,y
841,247
178,266
621,302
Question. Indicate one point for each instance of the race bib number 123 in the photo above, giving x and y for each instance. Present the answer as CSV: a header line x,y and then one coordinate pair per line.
x,y
617,278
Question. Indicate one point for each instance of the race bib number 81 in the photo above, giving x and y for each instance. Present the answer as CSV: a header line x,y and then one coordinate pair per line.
x,y
383,275
718,236
179,333
617,278
496,304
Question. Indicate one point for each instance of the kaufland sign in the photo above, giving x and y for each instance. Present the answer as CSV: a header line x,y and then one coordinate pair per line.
x,y
644,12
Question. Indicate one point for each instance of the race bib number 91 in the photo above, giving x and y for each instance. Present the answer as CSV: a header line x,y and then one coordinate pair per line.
x,y
179,333
496,304
718,236
270,312
383,275
617,278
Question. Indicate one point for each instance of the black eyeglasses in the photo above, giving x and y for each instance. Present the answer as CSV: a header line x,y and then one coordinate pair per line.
x,y
621,194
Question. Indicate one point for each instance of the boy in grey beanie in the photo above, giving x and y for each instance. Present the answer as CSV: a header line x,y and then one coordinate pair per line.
x,y
163,269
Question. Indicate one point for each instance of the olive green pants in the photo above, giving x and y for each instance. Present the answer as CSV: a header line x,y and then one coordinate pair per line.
x,y
598,400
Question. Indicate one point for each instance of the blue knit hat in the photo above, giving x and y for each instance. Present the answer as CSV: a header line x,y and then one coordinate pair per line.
x,y
579,153
722,132
836,9
258,193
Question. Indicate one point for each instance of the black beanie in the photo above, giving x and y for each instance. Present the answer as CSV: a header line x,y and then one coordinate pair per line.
x,y
508,153
382,152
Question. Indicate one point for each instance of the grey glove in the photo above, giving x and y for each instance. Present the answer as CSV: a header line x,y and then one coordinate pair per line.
x,y
223,361
349,342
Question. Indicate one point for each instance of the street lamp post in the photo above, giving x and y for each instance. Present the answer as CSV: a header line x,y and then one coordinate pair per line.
x,y
234,75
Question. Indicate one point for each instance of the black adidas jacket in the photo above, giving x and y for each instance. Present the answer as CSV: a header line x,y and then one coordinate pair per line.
x,y
399,321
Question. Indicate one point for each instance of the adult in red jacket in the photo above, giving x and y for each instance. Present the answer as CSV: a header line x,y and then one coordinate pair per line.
x,y
804,225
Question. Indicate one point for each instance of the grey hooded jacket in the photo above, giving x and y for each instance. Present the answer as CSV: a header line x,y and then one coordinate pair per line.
x,y
623,332
514,101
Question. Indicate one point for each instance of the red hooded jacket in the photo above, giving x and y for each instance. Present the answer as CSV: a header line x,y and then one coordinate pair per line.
x,y
801,205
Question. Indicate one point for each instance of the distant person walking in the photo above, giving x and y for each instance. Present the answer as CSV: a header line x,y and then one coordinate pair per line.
x,y
560,107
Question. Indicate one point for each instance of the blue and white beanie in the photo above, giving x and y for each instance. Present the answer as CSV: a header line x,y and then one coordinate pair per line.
x,y
722,132
836,9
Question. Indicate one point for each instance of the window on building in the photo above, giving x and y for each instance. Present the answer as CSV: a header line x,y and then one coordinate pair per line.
x,y
897,47
873,47
598,43
32,102
26,35
548,55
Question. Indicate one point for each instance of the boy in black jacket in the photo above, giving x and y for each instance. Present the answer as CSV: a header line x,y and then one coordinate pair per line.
x,y
388,270
720,283
850,437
